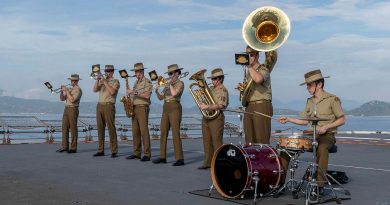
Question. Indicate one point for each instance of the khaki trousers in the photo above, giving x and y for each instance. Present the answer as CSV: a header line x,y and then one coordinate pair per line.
x,y
105,116
257,128
325,142
171,117
140,130
69,121
212,131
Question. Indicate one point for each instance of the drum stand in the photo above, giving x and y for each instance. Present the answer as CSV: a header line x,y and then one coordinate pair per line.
x,y
312,189
292,183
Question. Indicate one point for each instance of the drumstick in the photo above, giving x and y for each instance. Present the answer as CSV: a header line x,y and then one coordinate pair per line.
x,y
255,112
259,113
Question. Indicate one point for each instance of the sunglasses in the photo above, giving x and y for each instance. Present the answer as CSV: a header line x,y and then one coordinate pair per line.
x,y
108,71
170,74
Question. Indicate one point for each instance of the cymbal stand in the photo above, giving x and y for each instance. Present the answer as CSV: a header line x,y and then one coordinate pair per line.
x,y
312,190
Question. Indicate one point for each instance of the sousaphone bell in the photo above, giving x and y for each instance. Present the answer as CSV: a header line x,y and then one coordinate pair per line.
x,y
266,28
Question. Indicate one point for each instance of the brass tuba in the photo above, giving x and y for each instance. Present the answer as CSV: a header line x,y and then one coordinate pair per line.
x,y
265,29
202,94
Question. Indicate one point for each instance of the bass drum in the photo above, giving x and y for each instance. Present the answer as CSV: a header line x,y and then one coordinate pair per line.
x,y
233,168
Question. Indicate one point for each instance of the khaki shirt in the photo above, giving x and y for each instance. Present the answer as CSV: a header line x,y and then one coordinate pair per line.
x,y
329,107
104,95
220,95
76,93
178,85
264,90
142,86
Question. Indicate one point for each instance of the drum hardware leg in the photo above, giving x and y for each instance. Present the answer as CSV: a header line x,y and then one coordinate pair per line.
x,y
326,176
211,188
256,179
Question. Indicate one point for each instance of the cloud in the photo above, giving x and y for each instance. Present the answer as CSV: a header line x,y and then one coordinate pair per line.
x,y
195,35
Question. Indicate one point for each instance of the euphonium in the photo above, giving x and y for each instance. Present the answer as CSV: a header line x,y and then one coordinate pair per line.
x,y
126,100
265,29
202,94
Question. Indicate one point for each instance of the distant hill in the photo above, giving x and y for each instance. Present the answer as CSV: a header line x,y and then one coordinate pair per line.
x,y
20,105
372,108
15,105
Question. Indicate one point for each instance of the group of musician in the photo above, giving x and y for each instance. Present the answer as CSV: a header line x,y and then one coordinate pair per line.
x,y
257,128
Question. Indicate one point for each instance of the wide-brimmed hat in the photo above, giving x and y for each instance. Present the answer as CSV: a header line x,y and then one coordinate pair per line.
x,y
74,77
313,76
173,67
216,73
138,66
109,67
250,50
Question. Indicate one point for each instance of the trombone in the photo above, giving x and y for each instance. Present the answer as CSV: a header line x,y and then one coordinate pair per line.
x,y
57,90
161,81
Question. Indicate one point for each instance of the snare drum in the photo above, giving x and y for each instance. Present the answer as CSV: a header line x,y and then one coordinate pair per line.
x,y
233,169
296,142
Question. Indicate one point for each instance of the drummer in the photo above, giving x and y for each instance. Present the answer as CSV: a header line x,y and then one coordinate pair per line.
x,y
322,105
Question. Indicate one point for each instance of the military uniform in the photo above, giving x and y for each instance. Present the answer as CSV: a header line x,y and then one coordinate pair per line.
x,y
171,117
258,128
105,115
327,107
212,130
70,116
140,120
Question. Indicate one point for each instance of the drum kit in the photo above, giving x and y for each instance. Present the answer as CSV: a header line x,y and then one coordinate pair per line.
x,y
240,170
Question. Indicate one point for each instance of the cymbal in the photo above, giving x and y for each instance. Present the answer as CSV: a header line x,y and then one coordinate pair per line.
x,y
314,119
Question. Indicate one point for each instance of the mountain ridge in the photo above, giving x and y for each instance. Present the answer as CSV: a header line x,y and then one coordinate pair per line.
x,y
20,105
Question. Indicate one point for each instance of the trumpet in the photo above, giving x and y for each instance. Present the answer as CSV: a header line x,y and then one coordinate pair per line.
x,y
96,74
57,90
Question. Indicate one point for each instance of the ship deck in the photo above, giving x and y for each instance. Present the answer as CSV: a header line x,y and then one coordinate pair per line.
x,y
36,174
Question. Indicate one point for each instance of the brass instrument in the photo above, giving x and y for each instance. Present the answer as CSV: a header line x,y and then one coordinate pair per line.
x,y
57,90
126,99
202,94
161,81
96,74
265,29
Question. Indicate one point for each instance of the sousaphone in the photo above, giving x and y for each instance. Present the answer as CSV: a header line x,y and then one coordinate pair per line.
x,y
265,29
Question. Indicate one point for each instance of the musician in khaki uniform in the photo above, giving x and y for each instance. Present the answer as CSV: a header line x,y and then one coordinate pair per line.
x,y
257,128
322,105
72,97
171,116
141,91
212,129
105,111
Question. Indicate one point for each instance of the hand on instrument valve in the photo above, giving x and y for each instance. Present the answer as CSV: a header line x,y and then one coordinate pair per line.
x,y
241,86
130,91
204,106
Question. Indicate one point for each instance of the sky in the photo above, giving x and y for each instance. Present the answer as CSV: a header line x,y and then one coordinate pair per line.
x,y
45,40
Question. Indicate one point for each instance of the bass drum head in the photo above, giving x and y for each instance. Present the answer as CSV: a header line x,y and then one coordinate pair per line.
x,y
229,171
